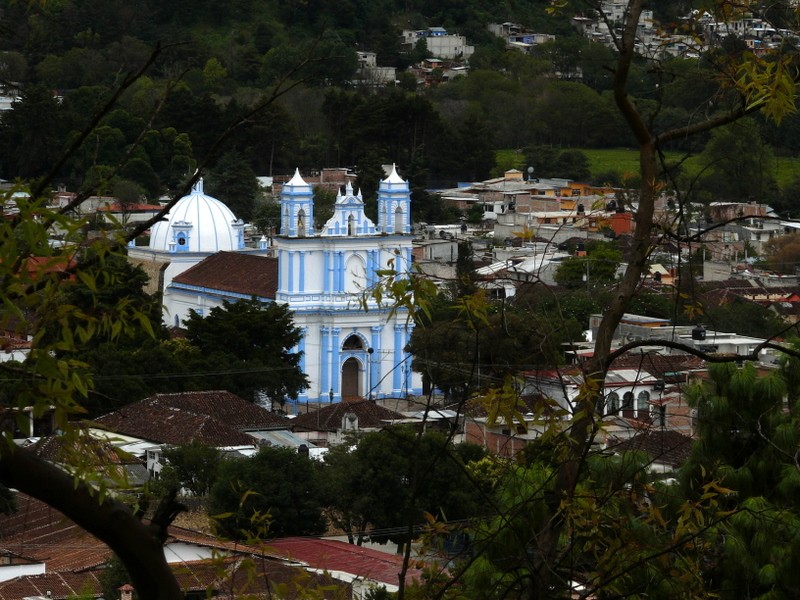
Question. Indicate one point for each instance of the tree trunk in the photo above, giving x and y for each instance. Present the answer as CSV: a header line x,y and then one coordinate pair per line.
x,y
138,545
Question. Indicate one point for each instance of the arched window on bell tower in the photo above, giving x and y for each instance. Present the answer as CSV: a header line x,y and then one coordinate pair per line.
x,y
398,220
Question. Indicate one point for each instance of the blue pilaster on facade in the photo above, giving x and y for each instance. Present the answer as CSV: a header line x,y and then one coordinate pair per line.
x,y
340,271
372,268
375,364
290,269
302,273
335,363
325,362
399,330
301,348
326,272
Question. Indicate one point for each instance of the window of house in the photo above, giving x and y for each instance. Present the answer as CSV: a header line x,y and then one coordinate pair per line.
x,y
627,400
612,403
642,402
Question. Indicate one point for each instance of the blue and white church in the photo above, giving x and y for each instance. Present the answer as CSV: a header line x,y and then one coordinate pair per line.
x,y
200,259
324,277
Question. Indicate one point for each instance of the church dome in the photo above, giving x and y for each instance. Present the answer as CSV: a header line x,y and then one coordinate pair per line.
x,y
197,223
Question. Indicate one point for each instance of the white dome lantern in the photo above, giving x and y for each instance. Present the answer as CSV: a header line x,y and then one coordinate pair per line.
x,y
198,223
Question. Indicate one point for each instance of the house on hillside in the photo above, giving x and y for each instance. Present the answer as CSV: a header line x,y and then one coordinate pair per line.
x,y
500,437
333,424
366,569
667,449
626,391
439,42
46,556
218,419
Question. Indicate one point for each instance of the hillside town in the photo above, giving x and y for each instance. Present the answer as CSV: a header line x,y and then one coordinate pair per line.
x,y
348,339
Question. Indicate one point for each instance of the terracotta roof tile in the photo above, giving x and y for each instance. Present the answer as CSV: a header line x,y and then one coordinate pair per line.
x,y
39,533
73,560
329,418
663,366
52,448
247,274
215,418
663,446
225,406
333,555
59,585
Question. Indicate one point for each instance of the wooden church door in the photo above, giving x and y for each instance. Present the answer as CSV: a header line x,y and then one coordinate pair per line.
x,y
351,379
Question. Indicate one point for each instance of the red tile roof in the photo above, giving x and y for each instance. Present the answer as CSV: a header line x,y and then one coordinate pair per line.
x,y
73,559
664,366
60,585
39,533
247,274
133,207
333,555
215,418
329,418
231,578
52,448
225,406
663,446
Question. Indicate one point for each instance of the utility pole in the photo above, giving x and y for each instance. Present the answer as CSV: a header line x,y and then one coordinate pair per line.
x,y
369,373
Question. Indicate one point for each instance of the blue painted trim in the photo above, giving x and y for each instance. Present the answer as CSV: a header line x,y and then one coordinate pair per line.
x,y
398,357
375,363
301,348
324,363
336,376
326,272
338,285
290,272
302,274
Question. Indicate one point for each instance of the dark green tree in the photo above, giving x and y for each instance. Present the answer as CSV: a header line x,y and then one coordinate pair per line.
x,y
738,163
193,466
277,483
598,267
572,164
246,348
391,479
475,343
748,440
32,134
233,181
113,576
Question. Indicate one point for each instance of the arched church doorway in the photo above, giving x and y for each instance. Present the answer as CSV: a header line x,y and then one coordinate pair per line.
x,y
351,379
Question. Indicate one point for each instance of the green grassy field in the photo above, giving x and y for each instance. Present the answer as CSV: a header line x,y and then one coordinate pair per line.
x,y
624,160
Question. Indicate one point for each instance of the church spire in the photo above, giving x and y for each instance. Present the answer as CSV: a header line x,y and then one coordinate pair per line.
x,y
394,204
297,207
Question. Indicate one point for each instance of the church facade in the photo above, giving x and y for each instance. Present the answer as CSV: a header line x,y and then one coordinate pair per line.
x,y
351,346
